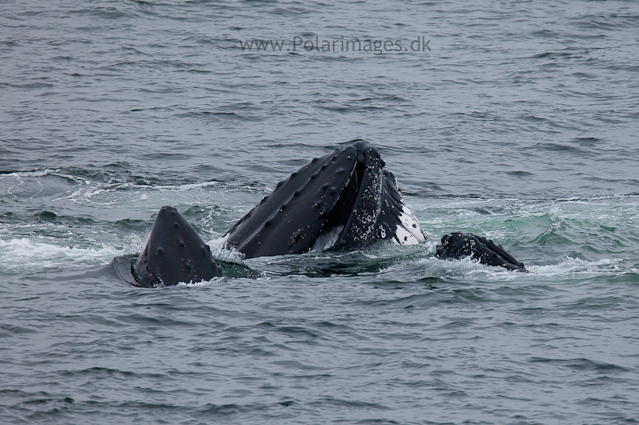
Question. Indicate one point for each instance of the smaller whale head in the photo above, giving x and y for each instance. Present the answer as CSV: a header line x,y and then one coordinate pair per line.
x,y
174,253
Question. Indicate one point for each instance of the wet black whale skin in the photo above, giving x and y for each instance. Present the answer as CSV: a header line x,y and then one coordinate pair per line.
x,y
174,253
460,245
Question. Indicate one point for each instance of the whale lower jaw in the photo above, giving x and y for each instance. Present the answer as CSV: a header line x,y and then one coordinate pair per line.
x,y
408,231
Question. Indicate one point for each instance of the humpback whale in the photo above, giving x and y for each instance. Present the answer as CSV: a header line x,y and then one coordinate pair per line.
x,y
344,199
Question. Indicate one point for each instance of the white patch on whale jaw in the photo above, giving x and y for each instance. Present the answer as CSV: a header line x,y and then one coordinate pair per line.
x,y
408,231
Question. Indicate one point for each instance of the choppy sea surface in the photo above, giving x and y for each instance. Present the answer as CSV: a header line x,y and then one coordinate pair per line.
x,y
516,120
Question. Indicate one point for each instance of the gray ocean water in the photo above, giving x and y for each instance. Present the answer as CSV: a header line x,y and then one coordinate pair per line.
x,y
516,120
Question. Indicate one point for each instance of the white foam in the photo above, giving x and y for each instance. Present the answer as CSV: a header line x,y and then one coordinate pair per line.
x,y
17,255
213,281
569,265
470,268
467,268
37,173
222,253
182,187
133,244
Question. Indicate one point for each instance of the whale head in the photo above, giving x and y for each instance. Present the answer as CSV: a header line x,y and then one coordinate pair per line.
x,y
343,198
174,253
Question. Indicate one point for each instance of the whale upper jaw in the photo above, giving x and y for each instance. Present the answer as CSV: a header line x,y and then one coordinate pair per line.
x,y
174,253
344,198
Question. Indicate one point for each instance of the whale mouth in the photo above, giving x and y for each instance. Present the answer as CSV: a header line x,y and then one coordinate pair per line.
x,y
370,207
339,216
364,200
345,198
